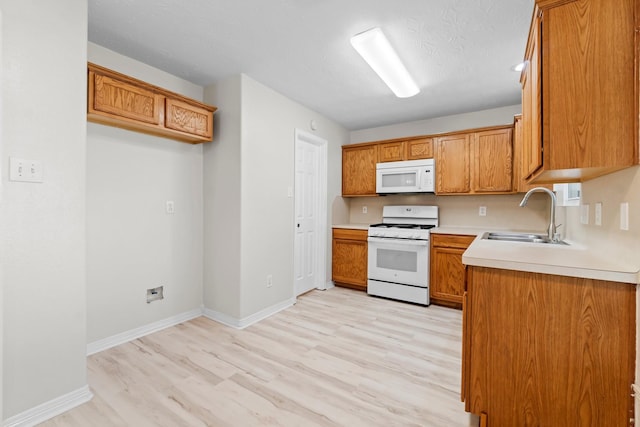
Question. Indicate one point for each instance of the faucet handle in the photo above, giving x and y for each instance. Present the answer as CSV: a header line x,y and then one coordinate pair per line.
x,y
556,235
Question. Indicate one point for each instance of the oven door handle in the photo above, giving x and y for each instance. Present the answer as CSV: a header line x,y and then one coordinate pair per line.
x,y
405,242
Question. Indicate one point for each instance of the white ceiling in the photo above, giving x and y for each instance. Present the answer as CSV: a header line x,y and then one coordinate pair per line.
x,y
460,52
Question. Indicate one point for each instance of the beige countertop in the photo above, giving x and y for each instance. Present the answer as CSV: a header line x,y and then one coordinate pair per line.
x,y
465,231
572,260
352,226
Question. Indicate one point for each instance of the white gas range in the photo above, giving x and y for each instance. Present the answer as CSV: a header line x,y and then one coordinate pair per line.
x,y
398,251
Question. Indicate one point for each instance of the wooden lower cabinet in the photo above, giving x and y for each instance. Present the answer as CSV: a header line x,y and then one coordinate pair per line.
x,y
447,276
349,261
546,350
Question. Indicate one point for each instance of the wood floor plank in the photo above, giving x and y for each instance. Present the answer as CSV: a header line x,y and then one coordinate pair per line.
x,y
336,358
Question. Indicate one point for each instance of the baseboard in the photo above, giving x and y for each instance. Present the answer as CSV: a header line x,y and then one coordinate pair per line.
x,y
124,337
50,409
249,320
330,284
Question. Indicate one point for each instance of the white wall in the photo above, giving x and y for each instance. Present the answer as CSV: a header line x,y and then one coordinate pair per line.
x,y
222,208
492,117
264,214
132,243
43,225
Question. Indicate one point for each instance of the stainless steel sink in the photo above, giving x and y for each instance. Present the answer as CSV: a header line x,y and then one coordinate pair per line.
x,y
520,237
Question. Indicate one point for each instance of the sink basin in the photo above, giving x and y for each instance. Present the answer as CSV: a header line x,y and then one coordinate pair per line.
x,y
520,237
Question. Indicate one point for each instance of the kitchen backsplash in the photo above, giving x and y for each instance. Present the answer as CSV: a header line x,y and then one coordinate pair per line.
x,y
610,190
502,212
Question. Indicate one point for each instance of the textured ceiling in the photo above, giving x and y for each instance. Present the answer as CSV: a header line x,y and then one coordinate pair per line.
x,y
460,52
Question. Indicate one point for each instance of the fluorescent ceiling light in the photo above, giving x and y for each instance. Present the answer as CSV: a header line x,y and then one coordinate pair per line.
x,y
374,47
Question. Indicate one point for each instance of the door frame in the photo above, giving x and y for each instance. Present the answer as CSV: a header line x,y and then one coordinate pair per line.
x,y
321,206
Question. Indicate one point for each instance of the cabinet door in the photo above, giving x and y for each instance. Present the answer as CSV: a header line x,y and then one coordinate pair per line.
x,y
589,111
185,117
531,104
127,101
349,259
419,149
493,161
447,275
359,170
452,164
391,151
447,278
548,350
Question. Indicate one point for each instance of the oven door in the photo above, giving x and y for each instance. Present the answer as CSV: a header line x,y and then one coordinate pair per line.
x,y
402,261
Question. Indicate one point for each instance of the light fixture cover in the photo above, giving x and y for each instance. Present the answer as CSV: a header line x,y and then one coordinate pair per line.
x,y
374,47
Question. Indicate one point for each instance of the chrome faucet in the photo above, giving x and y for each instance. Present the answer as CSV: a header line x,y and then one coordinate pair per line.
x,y
551,232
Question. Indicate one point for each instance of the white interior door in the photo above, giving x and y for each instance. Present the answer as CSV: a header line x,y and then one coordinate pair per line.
x,y
310,212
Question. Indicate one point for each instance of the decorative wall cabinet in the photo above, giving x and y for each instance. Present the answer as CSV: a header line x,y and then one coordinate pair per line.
x,y
119,100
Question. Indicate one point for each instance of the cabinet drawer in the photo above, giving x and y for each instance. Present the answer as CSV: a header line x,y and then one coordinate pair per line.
x,y
451,240
350,234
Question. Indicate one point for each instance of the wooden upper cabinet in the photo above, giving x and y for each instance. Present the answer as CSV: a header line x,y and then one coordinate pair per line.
x,y
475,162
493,161
411,149
185,117
119,100
520,184
391,151
421,148
126,100
359,169
531,159
584,54
452,158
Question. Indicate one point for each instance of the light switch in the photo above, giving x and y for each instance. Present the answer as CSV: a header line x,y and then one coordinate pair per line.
x,y
624,216
23,170
584,214
598,214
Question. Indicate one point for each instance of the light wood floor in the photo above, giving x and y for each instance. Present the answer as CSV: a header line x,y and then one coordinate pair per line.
x,y
336,358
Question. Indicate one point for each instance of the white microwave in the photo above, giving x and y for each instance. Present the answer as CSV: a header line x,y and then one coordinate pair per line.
x,y
411,176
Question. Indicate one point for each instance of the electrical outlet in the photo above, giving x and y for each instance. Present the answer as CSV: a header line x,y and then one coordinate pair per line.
x,y
482,211
364,209
584,214
170,207
624,216
598,214
269,280
155,294
22,170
